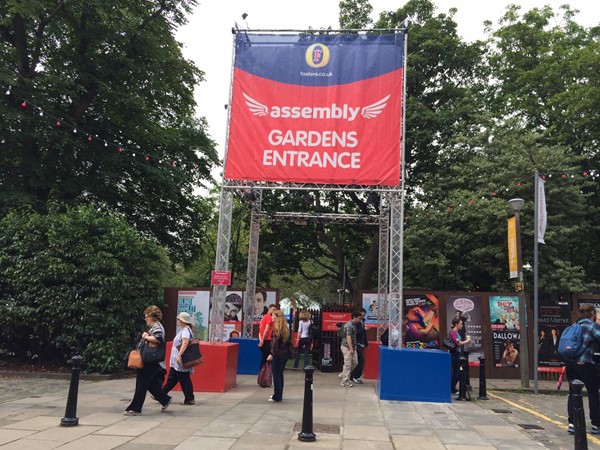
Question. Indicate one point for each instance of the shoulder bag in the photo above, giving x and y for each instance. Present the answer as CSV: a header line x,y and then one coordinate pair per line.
x,y
192,356
153,352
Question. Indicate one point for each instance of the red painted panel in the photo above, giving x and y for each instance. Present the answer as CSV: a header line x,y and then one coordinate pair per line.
x,y
218,373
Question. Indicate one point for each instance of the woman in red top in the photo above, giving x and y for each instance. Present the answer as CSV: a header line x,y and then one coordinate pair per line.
x,y
265,331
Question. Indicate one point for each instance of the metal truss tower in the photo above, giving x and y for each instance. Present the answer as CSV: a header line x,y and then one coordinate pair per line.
x,y
252,264
382,280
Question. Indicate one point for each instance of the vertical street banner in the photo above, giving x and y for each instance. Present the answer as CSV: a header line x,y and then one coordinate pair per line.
x,y
423,314
469,310
513,256
196,304
553,318
506,334
542,216
321,109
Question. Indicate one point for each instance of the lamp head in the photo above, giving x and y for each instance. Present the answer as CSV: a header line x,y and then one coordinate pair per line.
x,y
516,204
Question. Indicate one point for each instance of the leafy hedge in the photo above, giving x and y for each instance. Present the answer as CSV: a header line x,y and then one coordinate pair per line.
x,y
75,281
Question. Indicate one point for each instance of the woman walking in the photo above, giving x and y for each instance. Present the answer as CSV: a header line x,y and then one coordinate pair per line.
x,y
280,353
146,379
303,338
177,373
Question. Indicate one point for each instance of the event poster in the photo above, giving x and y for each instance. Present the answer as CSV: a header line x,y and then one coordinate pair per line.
x,y
469,309
422,313
233,307
196,304
262,300
553,318
369,303
506,337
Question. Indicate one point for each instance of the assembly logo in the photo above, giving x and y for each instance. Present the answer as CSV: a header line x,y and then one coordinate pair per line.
x,y
317,55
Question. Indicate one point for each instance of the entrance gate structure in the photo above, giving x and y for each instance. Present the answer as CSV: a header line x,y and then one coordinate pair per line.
x,y
317,112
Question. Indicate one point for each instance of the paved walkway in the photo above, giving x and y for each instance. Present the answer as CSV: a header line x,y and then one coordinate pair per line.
x,y
348,418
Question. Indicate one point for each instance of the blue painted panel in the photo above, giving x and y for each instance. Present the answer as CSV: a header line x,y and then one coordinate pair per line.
x,y
249,356
414,375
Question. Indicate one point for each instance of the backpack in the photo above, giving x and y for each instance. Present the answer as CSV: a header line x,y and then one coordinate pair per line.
x,y
341,333
313,331
570,345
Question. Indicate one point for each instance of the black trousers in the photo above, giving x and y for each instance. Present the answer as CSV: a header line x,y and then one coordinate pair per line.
x,y
358,370
265,352
147,380
183,378
454,366
588,374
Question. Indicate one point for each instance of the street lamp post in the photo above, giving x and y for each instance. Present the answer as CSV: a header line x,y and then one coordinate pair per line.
x,y
516,205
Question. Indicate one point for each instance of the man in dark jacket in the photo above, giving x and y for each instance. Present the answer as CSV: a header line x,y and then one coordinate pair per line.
x,y
361,344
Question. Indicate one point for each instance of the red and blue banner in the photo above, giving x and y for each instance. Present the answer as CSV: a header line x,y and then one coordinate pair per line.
x,y
322,109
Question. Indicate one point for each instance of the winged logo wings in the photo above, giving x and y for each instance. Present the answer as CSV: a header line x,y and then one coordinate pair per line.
x,y
373,110
256,108
368,112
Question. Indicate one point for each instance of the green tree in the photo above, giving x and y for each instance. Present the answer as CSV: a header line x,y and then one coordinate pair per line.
x,y
75,281
100,107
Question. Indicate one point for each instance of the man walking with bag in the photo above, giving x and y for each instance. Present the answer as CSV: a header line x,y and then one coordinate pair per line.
x,y
348,347
361,344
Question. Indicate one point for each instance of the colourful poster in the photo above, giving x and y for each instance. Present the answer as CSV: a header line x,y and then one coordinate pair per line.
x,y
320,108
553,318
422,313
196,304
369,303
505,325
469,310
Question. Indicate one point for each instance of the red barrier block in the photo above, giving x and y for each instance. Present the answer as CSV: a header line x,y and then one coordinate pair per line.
x,y
371,370
218,373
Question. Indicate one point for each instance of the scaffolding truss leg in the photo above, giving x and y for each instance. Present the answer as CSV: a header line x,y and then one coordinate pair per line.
x,y
252,266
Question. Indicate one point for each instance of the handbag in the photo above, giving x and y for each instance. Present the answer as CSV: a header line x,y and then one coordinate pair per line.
x,y
265,375
134,360
192,357
153,352
449,344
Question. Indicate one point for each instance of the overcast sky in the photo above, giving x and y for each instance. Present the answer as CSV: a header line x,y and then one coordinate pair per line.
x,y
208,38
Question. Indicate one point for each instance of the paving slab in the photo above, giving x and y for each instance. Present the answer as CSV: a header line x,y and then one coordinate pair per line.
x,y
343,418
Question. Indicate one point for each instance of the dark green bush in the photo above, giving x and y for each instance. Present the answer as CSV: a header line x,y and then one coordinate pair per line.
x,y
75,281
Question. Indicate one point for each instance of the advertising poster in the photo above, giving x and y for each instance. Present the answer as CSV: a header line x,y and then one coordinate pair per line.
x,y
553,318
504,318
422,313
196,304
469,309
229,328
262,300
369,302
233,307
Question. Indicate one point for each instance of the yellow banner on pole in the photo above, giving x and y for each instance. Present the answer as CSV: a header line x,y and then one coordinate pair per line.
x,y
513,257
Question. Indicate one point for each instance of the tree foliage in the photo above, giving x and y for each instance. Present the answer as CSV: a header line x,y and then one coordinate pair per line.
x,y
113,73
75,281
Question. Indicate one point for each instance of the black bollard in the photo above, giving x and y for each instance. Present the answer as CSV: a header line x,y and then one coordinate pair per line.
x,y
482,381
462,378
307,434
575,388
70,419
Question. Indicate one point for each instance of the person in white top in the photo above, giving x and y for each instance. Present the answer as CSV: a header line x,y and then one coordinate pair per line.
x,y
303,342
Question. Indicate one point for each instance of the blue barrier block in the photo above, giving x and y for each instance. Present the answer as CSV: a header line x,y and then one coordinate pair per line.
x,y
414,375
249,356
